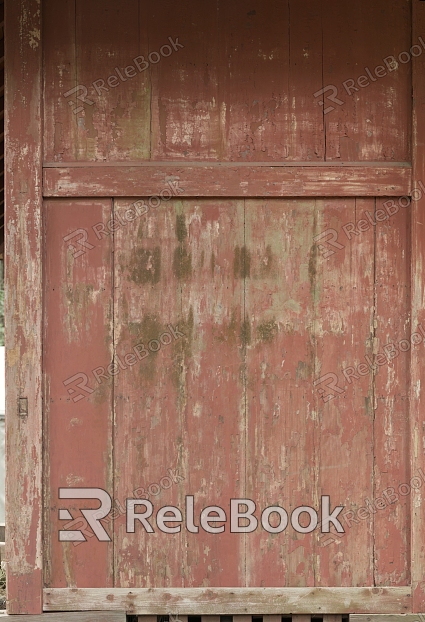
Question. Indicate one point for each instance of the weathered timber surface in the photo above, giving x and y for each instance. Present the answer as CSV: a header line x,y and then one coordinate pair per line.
x,y
396,617
243,87
232,601
228,181
23,307
71,616
78,339
417,368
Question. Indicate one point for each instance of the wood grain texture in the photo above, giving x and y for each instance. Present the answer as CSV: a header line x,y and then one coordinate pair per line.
x,y
374,121
342,294
391,526
417,371
85,43
186,397
233,601
242,87
70,616
228,181
77,339
280,436
376,617
23,306
60,103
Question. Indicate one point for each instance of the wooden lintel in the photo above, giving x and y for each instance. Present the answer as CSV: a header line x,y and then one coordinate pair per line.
x,y
72,616
232,601
228,180
398,617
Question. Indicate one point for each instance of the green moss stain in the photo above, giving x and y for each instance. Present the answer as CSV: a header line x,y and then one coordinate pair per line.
x,y
182,259
145,265
182,264
267,331
143,332
212,264
181,229
245,333
241,263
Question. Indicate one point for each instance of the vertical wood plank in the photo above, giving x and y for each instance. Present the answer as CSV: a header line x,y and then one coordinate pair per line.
x,y
391,421
77,339
281,460
344,286
332,618
111,35
210,376
60,73
301,618
23,306
148,434
417,370
188,116
188,396
373,122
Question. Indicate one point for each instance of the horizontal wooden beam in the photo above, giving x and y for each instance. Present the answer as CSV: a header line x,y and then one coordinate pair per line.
x,y
71,616
202,163
232,601
229,180
408,617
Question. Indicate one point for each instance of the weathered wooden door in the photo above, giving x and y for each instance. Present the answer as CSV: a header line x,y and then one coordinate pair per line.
x,y
232,294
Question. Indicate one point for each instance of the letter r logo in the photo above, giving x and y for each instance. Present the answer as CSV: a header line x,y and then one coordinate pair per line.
x,y
82,241
92,517
333,98
78,381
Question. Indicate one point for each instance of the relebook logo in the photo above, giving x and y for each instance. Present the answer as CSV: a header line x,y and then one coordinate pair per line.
x,y
242,516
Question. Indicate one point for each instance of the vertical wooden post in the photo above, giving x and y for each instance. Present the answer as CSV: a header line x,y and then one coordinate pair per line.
x,y
417,411
23,309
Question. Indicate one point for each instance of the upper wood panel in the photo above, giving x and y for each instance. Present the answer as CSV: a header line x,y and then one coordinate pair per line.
x,y
237,82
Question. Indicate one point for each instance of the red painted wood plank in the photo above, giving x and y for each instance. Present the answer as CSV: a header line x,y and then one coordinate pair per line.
x,y
23,312
61,101
344,287
78,421
188,111
228,181
373,121
392,525
417,373
109,36
180,408
281,466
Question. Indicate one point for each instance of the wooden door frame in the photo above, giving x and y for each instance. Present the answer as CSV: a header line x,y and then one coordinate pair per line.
x,y
23,305
23,312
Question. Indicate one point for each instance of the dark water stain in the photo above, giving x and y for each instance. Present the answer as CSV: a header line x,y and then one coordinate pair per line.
x,y
267,331
212,264
245,333
241,263
182,263
181,229
142,333
145,265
